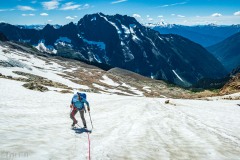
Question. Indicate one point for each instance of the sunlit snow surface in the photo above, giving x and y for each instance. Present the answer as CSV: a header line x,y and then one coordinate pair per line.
x,y
125,127
109,81
33,65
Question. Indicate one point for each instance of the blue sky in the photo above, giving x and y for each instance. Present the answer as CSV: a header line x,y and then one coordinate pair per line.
x,y
186,12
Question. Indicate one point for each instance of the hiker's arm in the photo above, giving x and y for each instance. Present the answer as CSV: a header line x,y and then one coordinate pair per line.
x,y
71,105
87,105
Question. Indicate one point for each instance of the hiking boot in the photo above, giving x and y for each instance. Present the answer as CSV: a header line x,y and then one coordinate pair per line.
x,y
73,124
85,126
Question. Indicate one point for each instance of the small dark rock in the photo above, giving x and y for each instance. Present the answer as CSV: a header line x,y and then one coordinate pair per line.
x,y
35,86
167,102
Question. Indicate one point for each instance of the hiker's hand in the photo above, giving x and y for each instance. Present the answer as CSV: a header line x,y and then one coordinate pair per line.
x,y
71,106
88,109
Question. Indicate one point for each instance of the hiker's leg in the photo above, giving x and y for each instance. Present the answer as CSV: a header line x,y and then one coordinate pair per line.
x,y
82,117
73,113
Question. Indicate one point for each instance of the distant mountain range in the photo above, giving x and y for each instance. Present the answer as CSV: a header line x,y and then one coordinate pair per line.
x,y
37,27
206,35
121,41
228,52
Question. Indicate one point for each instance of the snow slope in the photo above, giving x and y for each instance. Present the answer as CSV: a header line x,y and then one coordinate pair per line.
x,y
125,127
34,65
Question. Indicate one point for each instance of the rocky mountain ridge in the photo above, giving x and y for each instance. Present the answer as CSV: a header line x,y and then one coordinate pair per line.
x,y
120,41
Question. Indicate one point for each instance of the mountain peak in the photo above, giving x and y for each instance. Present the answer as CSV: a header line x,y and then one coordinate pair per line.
x,y
117,17
48,27
101,14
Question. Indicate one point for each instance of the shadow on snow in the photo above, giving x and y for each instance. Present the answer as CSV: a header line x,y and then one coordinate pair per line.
x,y
81,130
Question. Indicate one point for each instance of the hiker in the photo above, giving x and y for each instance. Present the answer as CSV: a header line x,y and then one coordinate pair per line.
x,y
77,104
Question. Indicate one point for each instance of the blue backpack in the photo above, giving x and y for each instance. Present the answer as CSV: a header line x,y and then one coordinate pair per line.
x,y
77,103
83,95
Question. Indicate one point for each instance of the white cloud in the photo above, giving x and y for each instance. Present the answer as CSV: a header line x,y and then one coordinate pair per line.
x,y
43,14
3,10
172,14
236,13
160,16
53,4
118,1
24,15
150,19
25,8
86,6
180,16
69,17
75,16
34,2
70,6
50,20
174,4
216,15
147,16
136,15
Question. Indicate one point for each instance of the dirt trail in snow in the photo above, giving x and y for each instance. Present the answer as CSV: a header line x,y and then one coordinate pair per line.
x,y
38,125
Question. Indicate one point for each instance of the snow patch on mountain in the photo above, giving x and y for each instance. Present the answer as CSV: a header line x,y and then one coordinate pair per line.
x,y
98,86
126,30
94,19
108,81
96,57
146,88
128,56
152,75
154,46
111,91
134,36
63,39
178,76
24,40
43,48
133,89
101,45
112,23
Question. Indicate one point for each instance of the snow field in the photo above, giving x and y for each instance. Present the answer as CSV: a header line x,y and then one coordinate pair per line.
x,y
124,127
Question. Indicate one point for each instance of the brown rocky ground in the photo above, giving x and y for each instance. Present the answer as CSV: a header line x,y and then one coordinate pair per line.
x,y
233,86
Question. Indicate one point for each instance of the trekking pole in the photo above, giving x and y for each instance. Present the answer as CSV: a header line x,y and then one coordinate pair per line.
x,y
90,119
